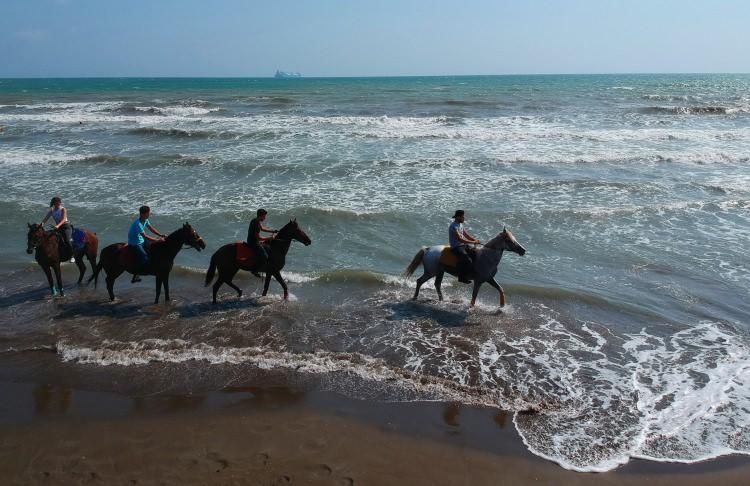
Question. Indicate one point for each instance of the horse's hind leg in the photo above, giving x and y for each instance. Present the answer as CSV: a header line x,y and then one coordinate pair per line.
x,y
81,266
92,260
111,277
438,283
58,276
165,282
420,281
228,279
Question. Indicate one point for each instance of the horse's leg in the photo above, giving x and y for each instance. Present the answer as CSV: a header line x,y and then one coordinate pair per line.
x,y
266,283
228,279
494,283
91,256
111,277
48,273
158,287
58,276
81,266
165,282
277,276
420,281
475,291
438,283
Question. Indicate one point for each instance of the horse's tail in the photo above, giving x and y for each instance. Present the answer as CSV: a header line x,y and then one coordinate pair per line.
x,y
415,262
211,270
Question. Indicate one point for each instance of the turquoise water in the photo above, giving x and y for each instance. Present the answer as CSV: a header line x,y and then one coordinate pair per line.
x,y
628,320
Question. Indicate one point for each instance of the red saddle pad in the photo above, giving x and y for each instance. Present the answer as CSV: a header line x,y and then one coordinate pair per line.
x,y
245,255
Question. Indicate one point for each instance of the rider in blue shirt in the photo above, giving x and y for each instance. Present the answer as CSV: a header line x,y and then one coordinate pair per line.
x,y
137,237
459,238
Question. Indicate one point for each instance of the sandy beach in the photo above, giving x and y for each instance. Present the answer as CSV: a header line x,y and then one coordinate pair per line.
x,y
277,436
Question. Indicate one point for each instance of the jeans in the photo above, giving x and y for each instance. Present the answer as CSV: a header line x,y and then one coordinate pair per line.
x,y
140,252
67,236
260,252
464,261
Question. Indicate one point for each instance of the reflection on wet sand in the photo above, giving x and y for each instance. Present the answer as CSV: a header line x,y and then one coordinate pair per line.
x,y
51,399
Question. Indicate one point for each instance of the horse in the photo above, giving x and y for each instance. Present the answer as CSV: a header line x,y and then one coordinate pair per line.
x,y
225,259
47,246
161,255
484,266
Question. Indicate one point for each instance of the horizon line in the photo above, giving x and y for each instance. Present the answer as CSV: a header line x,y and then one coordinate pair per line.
x,y
371,76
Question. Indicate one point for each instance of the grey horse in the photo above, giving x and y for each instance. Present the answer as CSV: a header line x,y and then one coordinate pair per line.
x,y
486,260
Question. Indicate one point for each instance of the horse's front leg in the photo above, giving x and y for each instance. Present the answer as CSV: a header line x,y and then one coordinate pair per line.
x,y
266,283
58,277
48,273
494,283
158,287
475,292
277,276
165,282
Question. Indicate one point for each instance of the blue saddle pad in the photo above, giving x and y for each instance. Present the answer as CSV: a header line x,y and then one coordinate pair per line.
x,y
79,238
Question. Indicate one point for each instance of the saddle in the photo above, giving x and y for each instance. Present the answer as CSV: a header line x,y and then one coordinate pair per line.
x,y
449,259
245,256
127,257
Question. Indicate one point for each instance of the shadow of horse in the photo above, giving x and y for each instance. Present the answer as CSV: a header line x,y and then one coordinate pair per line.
x,y
428,310
201,308
25,297
119,310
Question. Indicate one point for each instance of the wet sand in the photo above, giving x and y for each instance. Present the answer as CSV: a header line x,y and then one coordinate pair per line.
x,y
56,435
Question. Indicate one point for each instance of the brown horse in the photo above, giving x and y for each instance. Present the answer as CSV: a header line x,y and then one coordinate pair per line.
x,y
48,254
225,259
161,257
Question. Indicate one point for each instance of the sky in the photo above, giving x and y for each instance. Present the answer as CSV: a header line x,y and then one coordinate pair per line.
x,y
83,38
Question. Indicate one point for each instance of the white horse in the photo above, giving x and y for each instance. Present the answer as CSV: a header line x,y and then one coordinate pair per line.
x,y
485,262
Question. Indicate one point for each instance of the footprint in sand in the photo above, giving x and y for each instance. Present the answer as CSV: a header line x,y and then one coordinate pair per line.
x,y
319,471
214,456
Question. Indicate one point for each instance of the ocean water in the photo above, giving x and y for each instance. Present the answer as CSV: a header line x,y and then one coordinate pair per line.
x,y
627,333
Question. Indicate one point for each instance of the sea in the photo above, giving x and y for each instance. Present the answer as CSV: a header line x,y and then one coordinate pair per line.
x,y
627,330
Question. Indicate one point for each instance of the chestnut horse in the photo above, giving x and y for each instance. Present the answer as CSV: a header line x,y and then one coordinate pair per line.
x,y
47,246
161,257
225,259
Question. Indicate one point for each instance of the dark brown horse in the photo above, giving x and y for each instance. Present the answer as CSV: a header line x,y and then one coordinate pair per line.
x,y
225,259
161,257
48,254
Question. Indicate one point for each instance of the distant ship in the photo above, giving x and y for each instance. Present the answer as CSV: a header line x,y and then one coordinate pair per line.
x,y
286,75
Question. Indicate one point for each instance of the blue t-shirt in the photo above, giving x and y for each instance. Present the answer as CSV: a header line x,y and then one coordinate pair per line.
x,y
452,236
134,234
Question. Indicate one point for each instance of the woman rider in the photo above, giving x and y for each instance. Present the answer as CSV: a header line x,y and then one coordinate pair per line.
x,y
60,216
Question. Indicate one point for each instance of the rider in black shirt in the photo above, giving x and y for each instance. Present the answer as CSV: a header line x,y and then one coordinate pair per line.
x,y
254,239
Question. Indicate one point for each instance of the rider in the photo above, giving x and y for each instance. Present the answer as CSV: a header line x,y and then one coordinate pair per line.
x,y
459,238
60,216
137,237
254,239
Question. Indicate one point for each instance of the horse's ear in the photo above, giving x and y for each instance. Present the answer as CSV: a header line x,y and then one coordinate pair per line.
x,y
29,224
504,229
295,220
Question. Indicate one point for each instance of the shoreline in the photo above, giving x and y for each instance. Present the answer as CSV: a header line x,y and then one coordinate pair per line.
x,y
282,435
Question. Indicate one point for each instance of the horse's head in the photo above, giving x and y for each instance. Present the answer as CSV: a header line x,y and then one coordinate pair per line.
x,y
292,231
506,241
34,238
191,237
